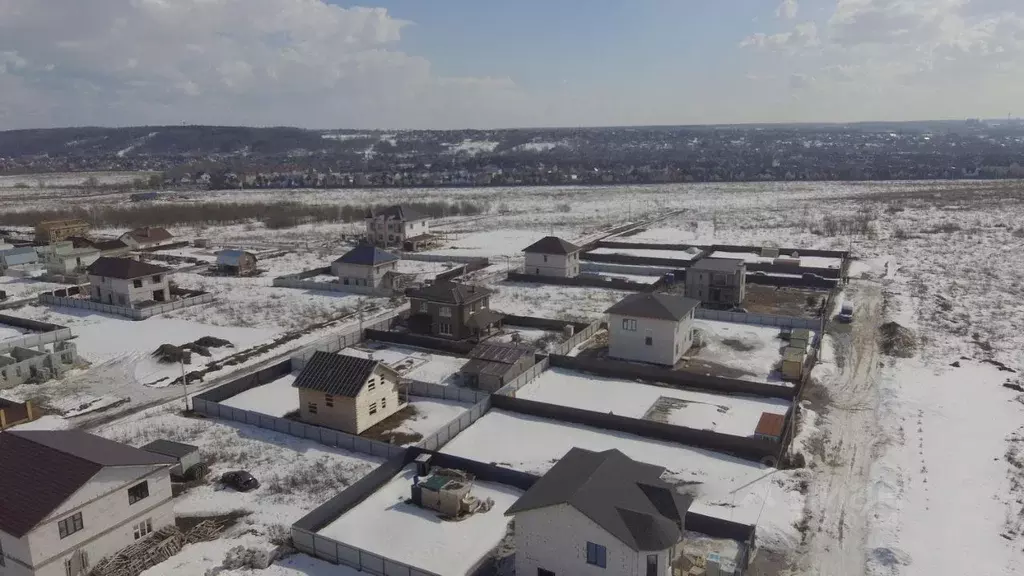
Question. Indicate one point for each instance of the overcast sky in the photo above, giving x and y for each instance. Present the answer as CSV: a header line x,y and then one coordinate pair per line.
x,y
489,63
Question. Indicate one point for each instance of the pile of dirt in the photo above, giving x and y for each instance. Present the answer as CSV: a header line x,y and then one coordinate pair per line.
x,y
897,340
171,354
213,342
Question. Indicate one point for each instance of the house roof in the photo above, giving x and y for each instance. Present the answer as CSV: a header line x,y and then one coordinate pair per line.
x,y
169,448
42,469
81,242
335,374
504,353
232,257
718,265
123,268
626,498
552,245
367,255
654,305
478,367
770,424
398,212
149,234
19,251
109,245
483,318
446,292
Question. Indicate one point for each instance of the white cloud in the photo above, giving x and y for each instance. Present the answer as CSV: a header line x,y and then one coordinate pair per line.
x,y
803,35
297,62
788,9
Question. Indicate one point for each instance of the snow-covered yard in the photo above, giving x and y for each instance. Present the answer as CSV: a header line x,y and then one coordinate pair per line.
x,y
736,415
749,352
385,524
412,363
648,253
20,288
277,398
556,302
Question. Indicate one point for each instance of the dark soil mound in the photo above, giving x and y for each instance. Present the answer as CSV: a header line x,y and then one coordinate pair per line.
x,y
213,342
171,354
897,340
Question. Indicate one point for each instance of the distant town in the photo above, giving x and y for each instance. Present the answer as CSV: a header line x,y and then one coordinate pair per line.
x,y
240,157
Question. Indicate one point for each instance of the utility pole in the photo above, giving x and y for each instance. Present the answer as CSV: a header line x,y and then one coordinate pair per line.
x,y
184,380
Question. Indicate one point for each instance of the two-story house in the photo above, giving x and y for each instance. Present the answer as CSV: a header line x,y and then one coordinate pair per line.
x,y
397,226
717,282
65,258
451,310
51,231
69,499
651,327
364,265
347,393
552,256
127,282
146,237
599,513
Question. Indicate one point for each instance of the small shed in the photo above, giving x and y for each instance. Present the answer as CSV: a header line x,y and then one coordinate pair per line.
x,y
491,366
800,338
793,363
14,413
236,262
18,256
187,455
770,427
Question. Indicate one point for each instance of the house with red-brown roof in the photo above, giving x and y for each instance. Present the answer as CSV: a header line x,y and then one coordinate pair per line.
x,y
146,237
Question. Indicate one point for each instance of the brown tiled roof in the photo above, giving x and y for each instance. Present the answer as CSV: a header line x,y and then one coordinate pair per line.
x,y
149,235
770,424
124,268
39,470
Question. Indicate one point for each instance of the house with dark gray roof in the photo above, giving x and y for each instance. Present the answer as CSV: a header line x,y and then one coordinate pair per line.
x,y
68,499
146,236
127,282
365,265
651,327
599,513
452,310
717,282
492,365
397,226
552,256
347,392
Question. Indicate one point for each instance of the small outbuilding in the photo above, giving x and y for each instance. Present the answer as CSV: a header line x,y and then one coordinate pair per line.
x,y
146,237
236,263
552,256
770,427
187,455
491,366
793,363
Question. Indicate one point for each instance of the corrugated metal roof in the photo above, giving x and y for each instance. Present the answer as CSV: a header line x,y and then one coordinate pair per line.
x,y
484,318
497,352
169,448
477,366
335,374
450,293
770,424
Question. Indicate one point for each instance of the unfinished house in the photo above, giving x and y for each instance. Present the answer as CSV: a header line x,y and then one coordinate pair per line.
x,y
68,499
552,256
397,227
236,263
20,364
600,513
717,282
14,413
52,231
491,366
146,237
365,265
654,328
127,282
347,393
64,258
452,310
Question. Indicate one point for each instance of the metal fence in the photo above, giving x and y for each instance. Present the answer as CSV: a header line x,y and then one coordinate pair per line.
x,y
525,378
300,284
443,258
455,393
758,319
442,436
578,338
344,339
133,313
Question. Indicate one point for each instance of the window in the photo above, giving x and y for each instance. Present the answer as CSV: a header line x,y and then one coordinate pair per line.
x,y
138,492
137,283
311,407
629,324
383,403
445,329
69,566
445,311
143,529
373,408
70,525
652,565
371,384
157,278
329,400
648,340
545,257
596,555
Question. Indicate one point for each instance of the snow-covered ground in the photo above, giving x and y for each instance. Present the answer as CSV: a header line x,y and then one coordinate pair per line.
x,y
736,415
277,398
7,332
385,524
754,352
557,302
646,253
412,363
19,288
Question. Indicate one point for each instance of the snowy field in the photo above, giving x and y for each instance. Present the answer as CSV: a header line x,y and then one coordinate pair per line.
x,y
19,288
736,415
7,332
277,398
805,261
645,253
385,524
556,302
57,180
749,352
412,363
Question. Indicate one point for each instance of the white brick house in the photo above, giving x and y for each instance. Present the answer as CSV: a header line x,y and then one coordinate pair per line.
x,y
599,513
396,225
653,328
127,282
364,265
552,256
69,499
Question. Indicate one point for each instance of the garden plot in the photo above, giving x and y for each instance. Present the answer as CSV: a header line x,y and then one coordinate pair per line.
x,y
387,525
736,415
724,486
556,302
740,351
412,363
646,253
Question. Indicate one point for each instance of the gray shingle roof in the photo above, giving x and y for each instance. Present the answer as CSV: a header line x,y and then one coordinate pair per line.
x,y
398,212
552,245
149,234
718,265
367,255
654,305
625,497
169,448
42,469
450,293
124,268
335,374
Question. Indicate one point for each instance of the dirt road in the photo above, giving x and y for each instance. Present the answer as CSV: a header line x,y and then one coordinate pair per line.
x,y
836,501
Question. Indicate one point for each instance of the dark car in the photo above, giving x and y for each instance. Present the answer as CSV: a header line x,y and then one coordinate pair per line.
x,y
240,480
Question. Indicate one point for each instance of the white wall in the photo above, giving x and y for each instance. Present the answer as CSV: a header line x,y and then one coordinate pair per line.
x,y
558,265
378,232
373,275
101,287
670,339
555,538
107,517
385,390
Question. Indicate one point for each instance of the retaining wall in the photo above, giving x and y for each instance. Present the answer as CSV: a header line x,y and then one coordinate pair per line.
x,y
133,313
757,319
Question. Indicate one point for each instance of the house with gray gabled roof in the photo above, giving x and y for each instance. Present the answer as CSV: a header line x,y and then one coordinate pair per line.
x,y
397,226
599,513
68,499
127,282
452,310
346,392
651,327
717,282
365,265
552,256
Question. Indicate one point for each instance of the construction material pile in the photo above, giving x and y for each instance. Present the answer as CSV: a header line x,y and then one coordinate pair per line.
x,y
171,354
158,547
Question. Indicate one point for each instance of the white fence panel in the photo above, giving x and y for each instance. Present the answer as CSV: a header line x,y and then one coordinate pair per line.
x,y
757,319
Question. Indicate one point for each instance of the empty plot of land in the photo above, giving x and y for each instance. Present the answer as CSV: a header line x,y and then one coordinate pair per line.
x,y
412,363
740,351
736,415
276,398
556,302
645,253
387,525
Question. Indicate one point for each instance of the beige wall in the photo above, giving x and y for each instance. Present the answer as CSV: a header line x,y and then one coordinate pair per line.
x,y
558,265
669,339
352,415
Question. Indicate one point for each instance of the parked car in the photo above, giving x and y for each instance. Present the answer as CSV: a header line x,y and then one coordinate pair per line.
x,y
845,313
240,480
739,310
